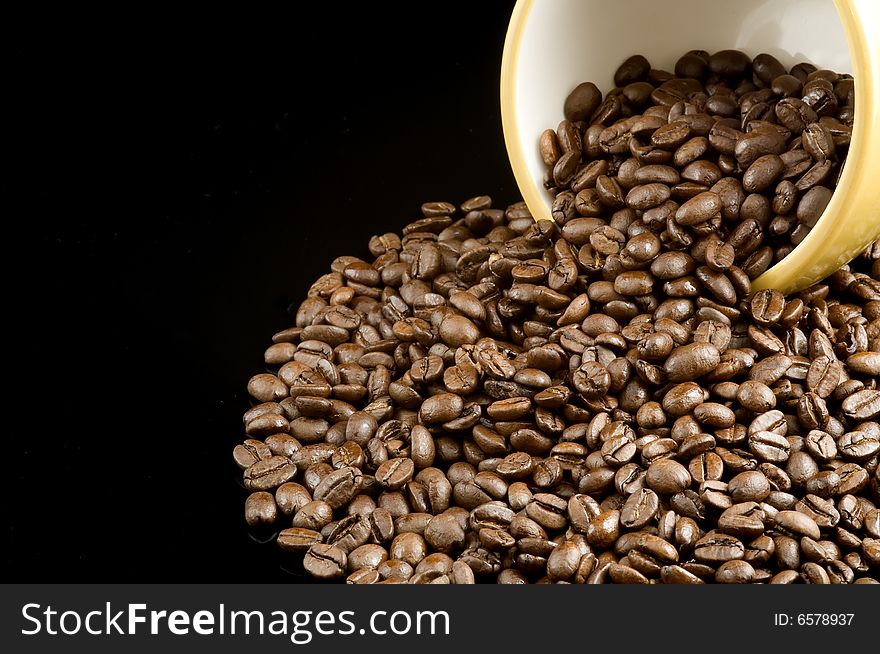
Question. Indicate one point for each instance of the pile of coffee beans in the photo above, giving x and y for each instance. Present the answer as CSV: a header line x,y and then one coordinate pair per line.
x,y
487,398
736,150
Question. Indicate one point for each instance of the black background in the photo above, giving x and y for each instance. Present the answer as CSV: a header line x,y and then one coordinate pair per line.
x,y
171,184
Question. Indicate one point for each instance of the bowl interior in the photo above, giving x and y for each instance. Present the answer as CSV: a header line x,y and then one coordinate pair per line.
x,y
559,44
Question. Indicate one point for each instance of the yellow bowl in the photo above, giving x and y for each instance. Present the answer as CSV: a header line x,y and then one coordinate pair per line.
x,y
553,45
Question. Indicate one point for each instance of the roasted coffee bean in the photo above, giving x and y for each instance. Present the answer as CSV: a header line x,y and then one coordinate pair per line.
x,y
735,572
749,486
394,473
397,570
260,510
667,477
862,405
291,497
798,524
769,446
699,209
639,509
269,473
603,529
745,519
591,379
689,362
717,549
298,539
267,388
250,452
325,561
339,487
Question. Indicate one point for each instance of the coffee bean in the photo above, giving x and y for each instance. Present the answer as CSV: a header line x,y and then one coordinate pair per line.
x,y
458,330
667,477
634,69
769,446
582,102
621,574
339,487
716,548
298,539
691,361
749,486
812,205
549,148
862,405
674,574
325,561
639,509
260,510
798,524
698,209
394,473
762,173
249,452
729,63
441,408
603,529
757,143
858,446
269,473
563,561
592,379
267,388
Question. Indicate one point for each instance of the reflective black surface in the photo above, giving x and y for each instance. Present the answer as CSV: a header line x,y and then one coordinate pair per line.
x,y
174,185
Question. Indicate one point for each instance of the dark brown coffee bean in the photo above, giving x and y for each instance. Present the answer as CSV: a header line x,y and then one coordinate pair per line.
x,y
864,363
762,173
269,473
749,486
757,143
646,196
267,388
691,361
729,63
582,102
812,204
394,473
667,477
325,561
639,509
634,69
592,379
671,135
798,524
716,549
756,396
260,510
249,452
698,209
297,539
339,487
769,446
767,306
735,572
603,529
858,446
862,405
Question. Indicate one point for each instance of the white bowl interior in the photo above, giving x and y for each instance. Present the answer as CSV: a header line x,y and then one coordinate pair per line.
x,y
566,42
